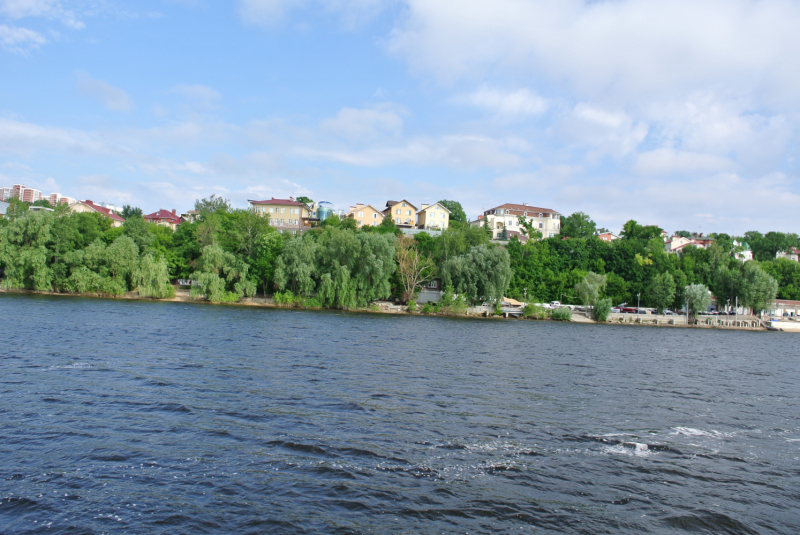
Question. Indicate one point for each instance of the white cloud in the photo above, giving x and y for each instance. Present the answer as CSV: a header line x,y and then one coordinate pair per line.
x,y
667,161
113,98
364,122
197,92
51,9
605,132
522,102
620,48
26,139
20,40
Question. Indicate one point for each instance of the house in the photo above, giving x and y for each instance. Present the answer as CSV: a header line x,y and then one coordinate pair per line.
x,y
89,206
403,212
744,253
164,218
545,220
677,243
792,254
189,216
365,215
286,215
607,236
40,209
433,216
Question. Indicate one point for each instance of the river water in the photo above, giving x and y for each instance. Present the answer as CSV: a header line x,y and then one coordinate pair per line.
x,y
146,417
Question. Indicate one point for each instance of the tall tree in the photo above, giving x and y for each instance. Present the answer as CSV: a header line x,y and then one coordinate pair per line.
x,y
415,269
661,291
456,211
131,211
577,225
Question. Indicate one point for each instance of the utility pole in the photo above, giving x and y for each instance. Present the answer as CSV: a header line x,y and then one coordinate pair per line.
x,y
737,310
638,301
687,311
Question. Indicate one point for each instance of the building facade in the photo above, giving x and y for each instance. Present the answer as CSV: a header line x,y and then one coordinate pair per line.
x,y
506,216
792,254
402,212
164,218
365,215
286,215
89,206
433,217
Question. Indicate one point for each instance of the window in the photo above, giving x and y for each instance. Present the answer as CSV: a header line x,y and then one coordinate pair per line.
x,y
374,223
374,215
408,212
397,220
404,205
444,215
525,214
283,222
397,211
541,225
283,211
361,214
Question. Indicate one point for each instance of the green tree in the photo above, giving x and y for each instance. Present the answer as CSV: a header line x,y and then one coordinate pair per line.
x,y
24,254
527,229
602,309
131,211
295,268
222,277
212,204
698,298
151,278
590,288
758,288
456,211
305,200
482,274
388,226
577,225
661,291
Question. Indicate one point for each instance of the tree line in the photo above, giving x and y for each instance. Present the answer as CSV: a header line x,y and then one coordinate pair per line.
x,y
235,253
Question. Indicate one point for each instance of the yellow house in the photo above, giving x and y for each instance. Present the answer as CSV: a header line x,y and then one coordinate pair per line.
x,y
365,215
403,212
284,214
433,216
89,206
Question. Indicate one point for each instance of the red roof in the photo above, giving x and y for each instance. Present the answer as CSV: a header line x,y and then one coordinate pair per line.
x,y
105,211
278,201
521,208
164,214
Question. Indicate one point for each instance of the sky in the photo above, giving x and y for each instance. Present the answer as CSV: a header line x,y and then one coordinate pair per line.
x,y
682,114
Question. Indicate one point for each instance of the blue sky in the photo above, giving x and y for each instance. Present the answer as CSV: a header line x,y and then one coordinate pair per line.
x,y
682,114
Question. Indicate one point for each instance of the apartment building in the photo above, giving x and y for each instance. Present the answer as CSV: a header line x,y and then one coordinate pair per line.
x,y
403,212
365,215
506,216
433,217
5,194
286,215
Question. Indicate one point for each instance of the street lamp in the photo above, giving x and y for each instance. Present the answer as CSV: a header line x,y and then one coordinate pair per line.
x,y
638,301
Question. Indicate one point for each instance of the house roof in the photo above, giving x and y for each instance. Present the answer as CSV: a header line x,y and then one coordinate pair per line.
x,y
3,207
435,204
273,200
103,210
163,214
521,208
389,204
357,208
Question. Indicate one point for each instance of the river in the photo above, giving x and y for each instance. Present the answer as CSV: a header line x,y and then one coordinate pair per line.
x,y
147,417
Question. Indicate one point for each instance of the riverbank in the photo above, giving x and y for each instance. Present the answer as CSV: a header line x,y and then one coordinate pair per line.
x,y
386,307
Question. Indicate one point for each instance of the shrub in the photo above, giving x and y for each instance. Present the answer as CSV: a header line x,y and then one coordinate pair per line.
x,y
312,302
412,306
602,309
429,308
561,314
284,298
451,304
534,311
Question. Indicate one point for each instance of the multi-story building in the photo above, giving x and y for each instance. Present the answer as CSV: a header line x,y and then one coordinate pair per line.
x,y
506,216
433,216
67,200
403,212
286,215
164,218
607,236
16,191
5,194
793,254
89,206
365,215
55,199
31,195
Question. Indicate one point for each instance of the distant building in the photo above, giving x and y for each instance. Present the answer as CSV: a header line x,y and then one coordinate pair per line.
x,y
365,215
67,200
506,216
40,209
31,195
793,254
745,253
89,206
6,194
189,216
3,208
607,236
433,216
676,244
286,215
164,218
402,212
54,199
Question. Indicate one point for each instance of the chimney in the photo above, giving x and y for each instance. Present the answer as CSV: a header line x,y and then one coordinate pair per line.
x,y
524,204
424,206
87,200
291,199
173,212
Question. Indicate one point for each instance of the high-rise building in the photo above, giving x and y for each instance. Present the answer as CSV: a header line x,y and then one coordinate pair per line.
x,y
5,194
54,199
31,195
16,191
66,200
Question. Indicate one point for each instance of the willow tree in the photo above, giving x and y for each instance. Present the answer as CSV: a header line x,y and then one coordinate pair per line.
x,y
661,291
482,274
24,254
698,297
151,278
222,276
295,268
414,268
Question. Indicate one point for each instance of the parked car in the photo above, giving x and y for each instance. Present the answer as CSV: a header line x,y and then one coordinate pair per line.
x,y
668,312
629,310
616,310
555,304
